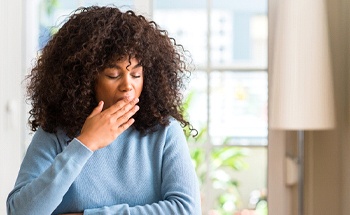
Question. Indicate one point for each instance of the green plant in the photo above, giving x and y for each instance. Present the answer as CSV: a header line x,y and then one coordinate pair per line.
x,y
49,6
224,160
227,160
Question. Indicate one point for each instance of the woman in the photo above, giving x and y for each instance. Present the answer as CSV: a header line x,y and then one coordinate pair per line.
x,y
106,108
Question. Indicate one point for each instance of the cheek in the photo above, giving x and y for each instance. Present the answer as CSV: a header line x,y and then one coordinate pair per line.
x,y
99,94
102,90
140,88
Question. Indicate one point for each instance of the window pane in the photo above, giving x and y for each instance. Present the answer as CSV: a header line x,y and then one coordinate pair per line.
x,y
239,33
186,22
238,180
238,108
197,100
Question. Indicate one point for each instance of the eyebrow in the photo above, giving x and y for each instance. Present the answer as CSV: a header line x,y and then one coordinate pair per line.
x,y
118,67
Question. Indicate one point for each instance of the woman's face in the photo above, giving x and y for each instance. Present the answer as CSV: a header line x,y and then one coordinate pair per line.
x,y
122,79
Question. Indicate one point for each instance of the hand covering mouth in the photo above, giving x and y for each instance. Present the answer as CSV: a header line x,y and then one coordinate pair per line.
x,y
125,97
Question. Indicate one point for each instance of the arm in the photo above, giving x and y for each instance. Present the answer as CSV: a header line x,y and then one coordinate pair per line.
x,y
179,187
44,178
47,171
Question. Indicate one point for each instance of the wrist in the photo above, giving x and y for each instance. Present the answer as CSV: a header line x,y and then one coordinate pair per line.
x,y
87,142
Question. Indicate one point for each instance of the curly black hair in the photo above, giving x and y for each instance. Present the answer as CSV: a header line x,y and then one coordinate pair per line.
x,y
61,84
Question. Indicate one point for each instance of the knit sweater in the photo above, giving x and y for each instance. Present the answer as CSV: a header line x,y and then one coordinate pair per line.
x,y
135,174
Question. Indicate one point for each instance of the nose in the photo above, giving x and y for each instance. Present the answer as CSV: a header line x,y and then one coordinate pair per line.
x,y
125,84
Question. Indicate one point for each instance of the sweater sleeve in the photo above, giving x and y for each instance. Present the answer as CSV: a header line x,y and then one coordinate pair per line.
x,y
179,186
46,174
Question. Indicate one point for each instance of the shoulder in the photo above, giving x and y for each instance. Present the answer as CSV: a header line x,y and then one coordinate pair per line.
x,y
59,136
173,128
44,139
174,134
160,133
174,125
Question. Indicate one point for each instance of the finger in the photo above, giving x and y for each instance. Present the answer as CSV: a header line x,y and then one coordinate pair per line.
x,y
97,109
117,106
121,119
126,125
126,108
123,106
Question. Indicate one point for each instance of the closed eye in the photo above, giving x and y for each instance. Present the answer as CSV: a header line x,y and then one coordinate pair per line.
x,y
112,77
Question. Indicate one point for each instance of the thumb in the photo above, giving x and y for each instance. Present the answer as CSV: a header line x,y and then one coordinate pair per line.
x,y
97,109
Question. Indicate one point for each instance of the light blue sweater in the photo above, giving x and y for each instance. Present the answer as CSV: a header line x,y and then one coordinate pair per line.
x,y
150,174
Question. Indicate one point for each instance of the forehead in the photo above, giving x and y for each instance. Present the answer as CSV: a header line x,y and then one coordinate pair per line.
x,y
125,63
123,59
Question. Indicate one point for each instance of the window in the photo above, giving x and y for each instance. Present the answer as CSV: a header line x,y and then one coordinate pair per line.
x,y
227,97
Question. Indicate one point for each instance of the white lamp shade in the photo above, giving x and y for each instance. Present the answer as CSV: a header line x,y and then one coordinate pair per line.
x,y
301,95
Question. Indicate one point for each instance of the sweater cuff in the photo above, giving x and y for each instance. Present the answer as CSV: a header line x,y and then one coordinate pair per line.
x,y
78,152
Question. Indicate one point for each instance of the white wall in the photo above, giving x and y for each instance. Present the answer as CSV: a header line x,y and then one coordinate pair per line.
x,y
11,99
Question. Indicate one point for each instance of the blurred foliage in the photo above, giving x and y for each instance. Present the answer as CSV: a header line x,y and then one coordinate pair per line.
x,y
49,6
47,21
224,160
